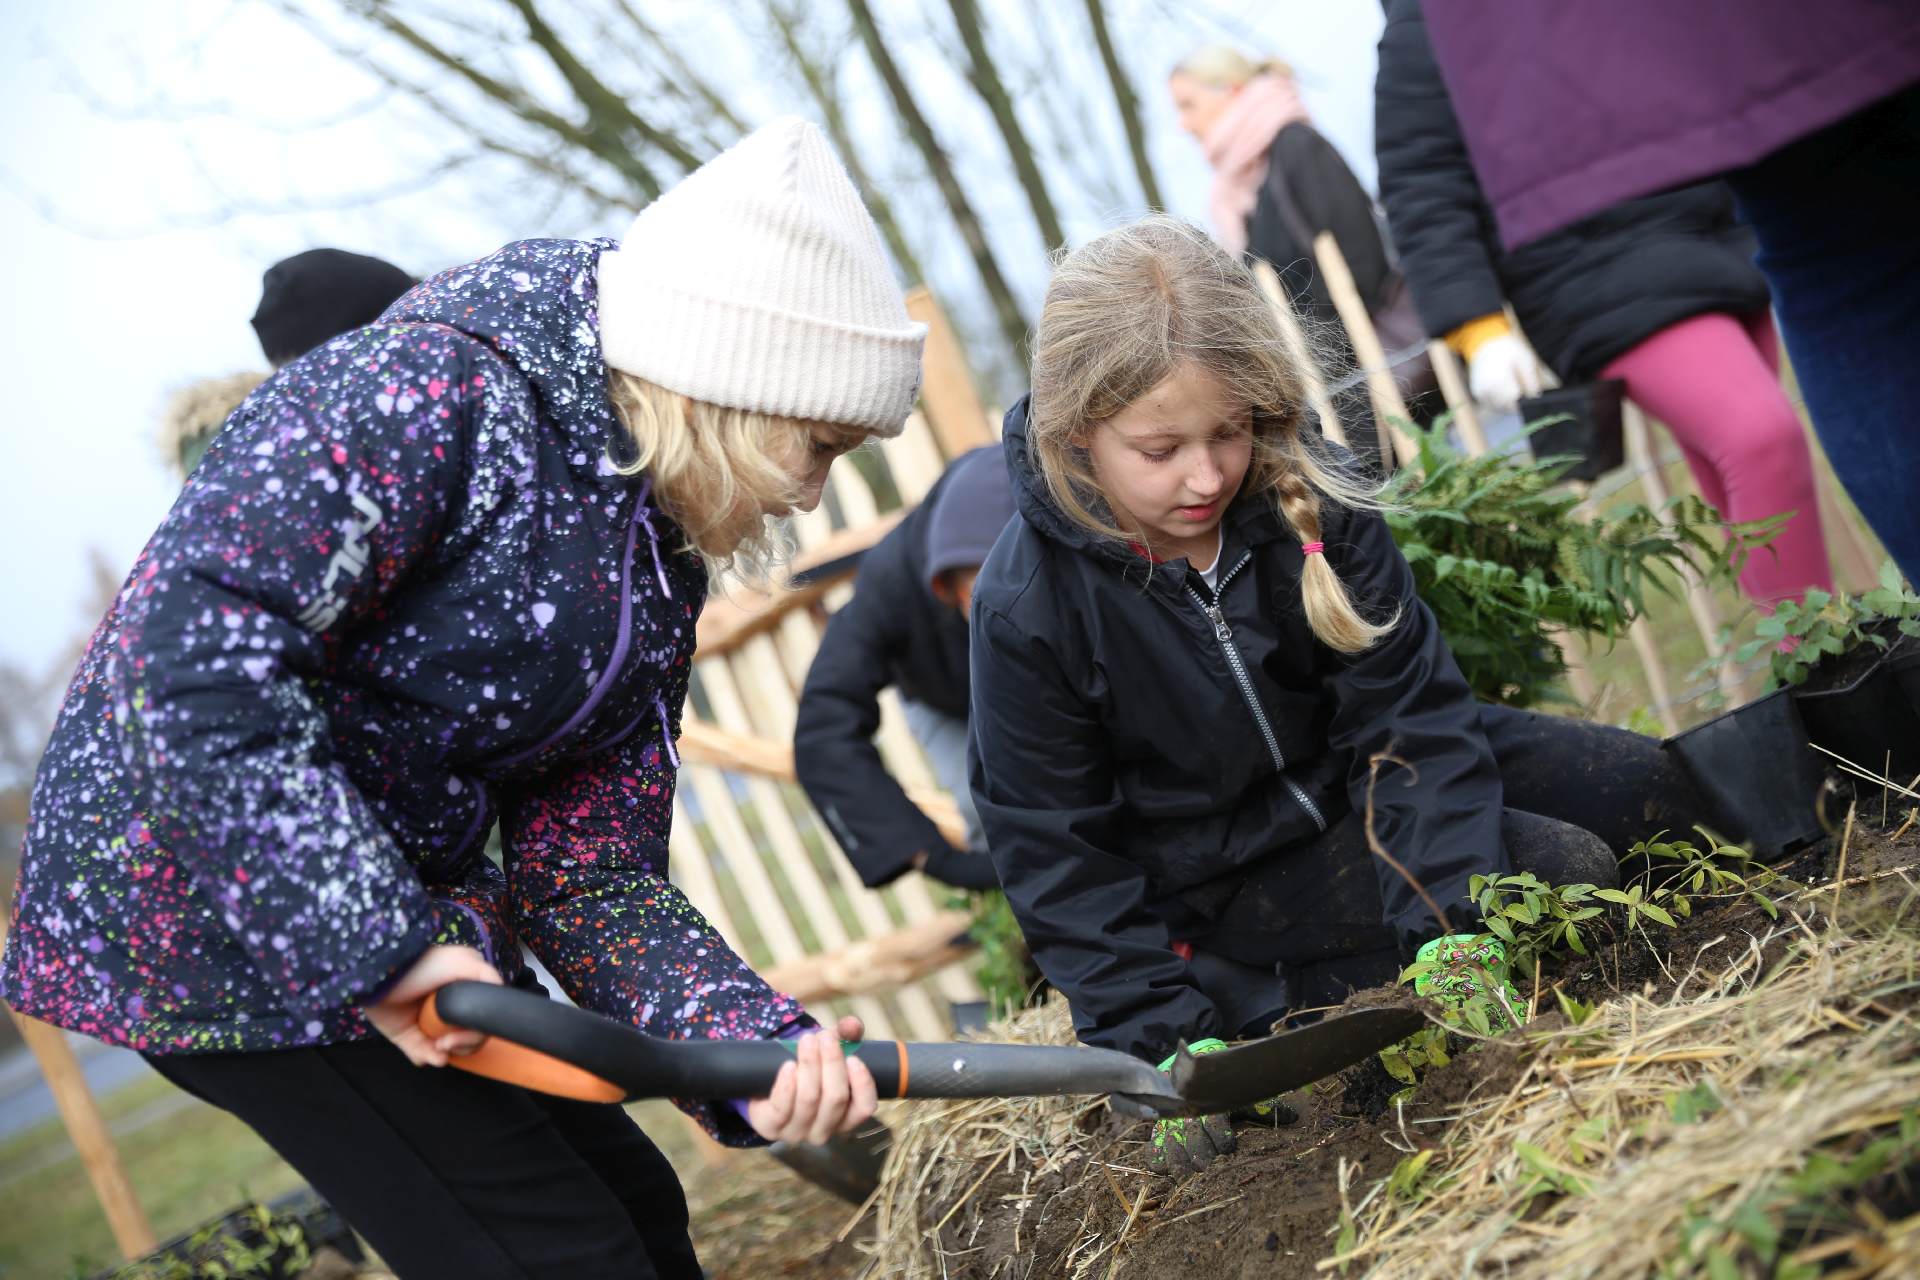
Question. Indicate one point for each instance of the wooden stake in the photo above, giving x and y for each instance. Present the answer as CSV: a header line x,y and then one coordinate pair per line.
x,y
88,1129
1453,386
1296,341
1389,407
1706,616
953,407
1859,567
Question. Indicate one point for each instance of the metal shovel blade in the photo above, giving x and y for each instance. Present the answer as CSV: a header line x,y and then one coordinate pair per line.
x,y
1260,1069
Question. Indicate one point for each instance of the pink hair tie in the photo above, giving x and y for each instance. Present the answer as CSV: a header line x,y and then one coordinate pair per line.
x,y
1312,548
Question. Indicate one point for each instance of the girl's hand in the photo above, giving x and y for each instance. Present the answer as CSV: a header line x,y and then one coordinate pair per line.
x,y
820,1093
397,1016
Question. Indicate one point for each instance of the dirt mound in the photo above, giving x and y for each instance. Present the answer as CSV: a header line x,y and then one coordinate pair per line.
x,y
1059,1187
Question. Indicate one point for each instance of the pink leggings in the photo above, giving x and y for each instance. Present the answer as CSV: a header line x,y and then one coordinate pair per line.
x,y
1714,381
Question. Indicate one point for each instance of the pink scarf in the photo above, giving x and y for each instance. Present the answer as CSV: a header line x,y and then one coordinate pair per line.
x,y
1237,147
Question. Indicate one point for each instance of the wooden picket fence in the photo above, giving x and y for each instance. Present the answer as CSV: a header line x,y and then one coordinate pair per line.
x,y
747,850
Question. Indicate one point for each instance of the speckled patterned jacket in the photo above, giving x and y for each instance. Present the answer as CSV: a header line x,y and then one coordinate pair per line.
x,y
402,597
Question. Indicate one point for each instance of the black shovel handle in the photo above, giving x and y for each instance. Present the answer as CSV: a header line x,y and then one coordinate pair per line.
x,y
556,1048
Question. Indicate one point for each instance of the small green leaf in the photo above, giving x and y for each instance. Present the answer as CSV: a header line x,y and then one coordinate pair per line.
x,y
1404,1182
1475,1012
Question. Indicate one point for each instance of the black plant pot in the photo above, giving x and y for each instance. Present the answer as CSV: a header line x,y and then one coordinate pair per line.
x,y
1585,422
1877,714
1759,778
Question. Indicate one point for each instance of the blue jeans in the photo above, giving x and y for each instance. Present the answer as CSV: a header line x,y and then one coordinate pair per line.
x,y
1834,213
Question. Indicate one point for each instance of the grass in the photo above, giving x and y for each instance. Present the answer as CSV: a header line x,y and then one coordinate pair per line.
x,y
188,1164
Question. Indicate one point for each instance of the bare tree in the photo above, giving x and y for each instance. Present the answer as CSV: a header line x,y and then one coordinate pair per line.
x,y
608,144
1013,325
986,81
820,85
564,113
680,73
1129,105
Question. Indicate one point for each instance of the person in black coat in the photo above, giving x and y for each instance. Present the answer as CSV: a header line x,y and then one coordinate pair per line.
x,y
1277,184
1202,683
1660,292
1250,120
905,628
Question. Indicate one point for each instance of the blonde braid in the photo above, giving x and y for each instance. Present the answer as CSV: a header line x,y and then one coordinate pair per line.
x,y
1330,608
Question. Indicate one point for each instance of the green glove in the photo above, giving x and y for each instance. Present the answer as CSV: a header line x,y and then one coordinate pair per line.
x,y
1463,964
1188,1144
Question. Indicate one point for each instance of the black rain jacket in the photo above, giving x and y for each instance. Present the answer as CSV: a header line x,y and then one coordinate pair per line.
x,y
1136,744
894,632
1329,198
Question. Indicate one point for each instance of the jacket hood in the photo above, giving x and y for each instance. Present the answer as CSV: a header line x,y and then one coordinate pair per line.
x,y
535,303
966,513
1030,495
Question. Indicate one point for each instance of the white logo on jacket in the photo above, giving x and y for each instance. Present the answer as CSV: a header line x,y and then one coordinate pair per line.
x,y
350,559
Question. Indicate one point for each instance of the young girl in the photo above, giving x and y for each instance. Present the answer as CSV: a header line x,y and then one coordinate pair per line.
x,y
443,571
1198,662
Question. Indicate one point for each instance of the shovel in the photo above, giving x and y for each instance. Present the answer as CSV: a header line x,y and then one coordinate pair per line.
x,y
559,1049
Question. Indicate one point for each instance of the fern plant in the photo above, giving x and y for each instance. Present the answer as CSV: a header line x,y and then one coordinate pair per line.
x,y
1504,559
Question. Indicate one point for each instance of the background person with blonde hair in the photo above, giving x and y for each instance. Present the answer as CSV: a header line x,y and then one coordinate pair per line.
x,y
1189,651
1277,184
442,570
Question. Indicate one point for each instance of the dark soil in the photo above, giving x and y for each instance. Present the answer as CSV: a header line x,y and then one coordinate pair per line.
x,y
1272,1209
1841,670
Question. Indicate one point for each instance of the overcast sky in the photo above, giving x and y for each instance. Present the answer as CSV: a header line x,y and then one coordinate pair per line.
x,y
128,273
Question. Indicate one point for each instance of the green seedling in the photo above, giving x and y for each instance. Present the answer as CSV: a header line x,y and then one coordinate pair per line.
x,y
1803,634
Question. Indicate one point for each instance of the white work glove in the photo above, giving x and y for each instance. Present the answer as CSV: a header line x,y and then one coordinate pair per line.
x,y
1501,371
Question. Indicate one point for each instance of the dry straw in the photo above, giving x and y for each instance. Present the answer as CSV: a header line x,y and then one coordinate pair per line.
x,y
935,1205
1658,1133
1627,1146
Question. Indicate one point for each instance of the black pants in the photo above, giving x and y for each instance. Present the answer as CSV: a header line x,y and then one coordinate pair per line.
x,y
451,1175
1306,926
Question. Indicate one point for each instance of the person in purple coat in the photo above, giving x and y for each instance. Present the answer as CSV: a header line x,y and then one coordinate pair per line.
x,y
1812,114
1660,293
440,572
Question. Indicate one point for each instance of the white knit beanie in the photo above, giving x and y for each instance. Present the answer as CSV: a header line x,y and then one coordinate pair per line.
x,y
759,283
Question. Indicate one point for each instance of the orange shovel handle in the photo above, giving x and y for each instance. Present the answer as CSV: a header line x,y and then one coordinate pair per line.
x,y
501,1059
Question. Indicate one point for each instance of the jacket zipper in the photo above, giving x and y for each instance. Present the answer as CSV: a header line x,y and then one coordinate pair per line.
x,y
1224,634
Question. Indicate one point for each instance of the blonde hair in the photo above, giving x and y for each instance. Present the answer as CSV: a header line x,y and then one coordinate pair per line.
x,y
1122,314
716,471
1224,67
